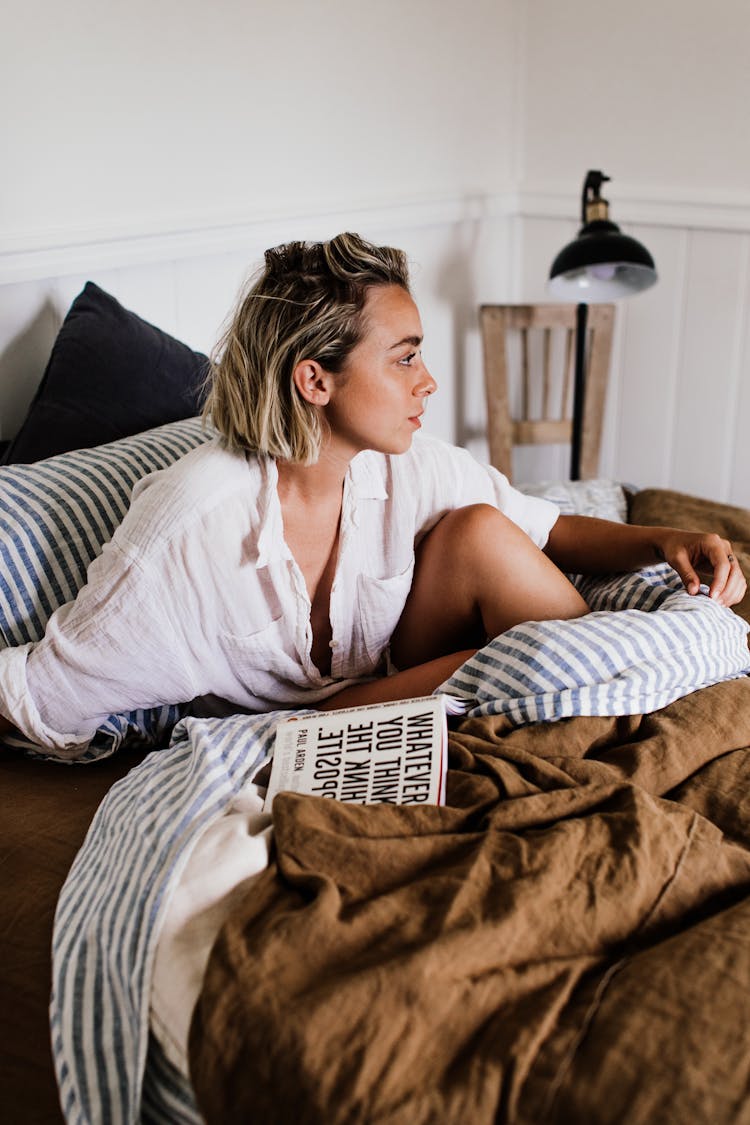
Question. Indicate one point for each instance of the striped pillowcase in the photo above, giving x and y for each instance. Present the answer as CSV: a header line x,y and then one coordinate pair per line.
x,y
646,643
55,517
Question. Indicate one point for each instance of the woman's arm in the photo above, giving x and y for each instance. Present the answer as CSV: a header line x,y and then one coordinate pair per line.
x,y
422,679
583,545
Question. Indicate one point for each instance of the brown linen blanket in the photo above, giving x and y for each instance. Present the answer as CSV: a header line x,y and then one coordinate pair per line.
x,y
567,941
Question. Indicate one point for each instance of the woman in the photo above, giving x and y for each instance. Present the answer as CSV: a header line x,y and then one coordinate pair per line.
x,y
316,543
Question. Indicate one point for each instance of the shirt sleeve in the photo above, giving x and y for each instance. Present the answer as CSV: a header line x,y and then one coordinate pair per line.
x,y
453,478
533,514
119,646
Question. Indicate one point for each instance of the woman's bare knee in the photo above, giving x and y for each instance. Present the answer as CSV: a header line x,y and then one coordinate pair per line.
x,y
442,614
478,574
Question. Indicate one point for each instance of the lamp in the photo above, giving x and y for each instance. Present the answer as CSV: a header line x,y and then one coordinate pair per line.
x,y
599,265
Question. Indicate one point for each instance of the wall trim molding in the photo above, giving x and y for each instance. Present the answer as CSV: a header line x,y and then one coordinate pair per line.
x,y
661,206
37,255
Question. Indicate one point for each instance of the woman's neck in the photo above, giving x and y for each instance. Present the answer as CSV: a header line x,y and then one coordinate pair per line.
x,y
313,482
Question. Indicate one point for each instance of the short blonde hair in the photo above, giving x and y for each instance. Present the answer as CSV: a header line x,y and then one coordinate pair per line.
x,y
306,303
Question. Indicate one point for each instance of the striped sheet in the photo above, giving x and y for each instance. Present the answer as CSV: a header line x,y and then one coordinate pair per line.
x,y
661,644
167,1097
108,913
664,644
55,517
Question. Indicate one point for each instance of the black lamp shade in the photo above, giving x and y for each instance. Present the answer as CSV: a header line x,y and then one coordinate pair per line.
x,y
600,265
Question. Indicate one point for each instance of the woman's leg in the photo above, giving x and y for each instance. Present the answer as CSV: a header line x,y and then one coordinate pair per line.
x,y
477,574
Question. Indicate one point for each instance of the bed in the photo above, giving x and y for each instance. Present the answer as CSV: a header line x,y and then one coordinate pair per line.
x,y
575,920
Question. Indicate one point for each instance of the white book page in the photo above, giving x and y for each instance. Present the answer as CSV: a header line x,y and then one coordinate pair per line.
x,y
391,753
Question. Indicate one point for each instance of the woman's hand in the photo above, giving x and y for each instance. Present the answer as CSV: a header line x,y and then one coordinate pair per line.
x,y
689,552
585,545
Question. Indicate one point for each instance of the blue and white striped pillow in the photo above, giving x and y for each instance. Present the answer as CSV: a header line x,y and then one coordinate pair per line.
x,y
55,517
646,643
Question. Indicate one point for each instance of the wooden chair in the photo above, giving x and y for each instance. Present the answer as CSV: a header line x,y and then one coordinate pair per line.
x,y
529,374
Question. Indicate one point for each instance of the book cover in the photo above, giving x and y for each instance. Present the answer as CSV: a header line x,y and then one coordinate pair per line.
x,y
384,753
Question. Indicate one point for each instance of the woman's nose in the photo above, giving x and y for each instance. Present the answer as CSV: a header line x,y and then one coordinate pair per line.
x,y
425,385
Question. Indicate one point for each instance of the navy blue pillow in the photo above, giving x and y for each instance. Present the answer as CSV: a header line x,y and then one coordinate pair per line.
x,y
110,375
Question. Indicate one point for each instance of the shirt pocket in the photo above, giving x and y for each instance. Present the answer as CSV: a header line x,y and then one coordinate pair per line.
x,y
261,661
380,603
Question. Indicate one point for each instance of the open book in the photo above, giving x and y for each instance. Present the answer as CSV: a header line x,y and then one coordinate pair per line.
x,y
385,753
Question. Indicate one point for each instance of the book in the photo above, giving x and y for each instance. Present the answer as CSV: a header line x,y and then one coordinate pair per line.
x,y
382,753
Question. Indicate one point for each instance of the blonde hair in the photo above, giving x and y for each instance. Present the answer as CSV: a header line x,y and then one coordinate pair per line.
x,y
306,303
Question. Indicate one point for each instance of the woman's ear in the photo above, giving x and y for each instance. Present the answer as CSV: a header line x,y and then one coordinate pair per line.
x,y
313,382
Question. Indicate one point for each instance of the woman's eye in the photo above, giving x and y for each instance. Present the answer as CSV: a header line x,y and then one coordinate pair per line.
x,y
406,361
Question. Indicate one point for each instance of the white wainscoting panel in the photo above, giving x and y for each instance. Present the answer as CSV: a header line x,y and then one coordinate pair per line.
x,y
459,251
29,320
705,407
638,434
739,475
678,406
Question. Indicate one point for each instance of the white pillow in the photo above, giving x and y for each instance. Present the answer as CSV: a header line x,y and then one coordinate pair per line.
x,y
603,498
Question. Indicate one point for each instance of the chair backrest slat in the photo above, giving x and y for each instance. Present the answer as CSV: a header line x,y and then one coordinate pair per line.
x,y
525,371
546,374
544,377
568,372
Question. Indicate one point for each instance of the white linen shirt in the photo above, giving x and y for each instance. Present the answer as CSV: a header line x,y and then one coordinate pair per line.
x,y
198,597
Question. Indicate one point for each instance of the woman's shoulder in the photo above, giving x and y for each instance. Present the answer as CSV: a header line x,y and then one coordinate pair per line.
x,y
202,467
207,479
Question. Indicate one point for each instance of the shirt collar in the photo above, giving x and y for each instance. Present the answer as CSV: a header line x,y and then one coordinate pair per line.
x,y
367,473
271,543
365,480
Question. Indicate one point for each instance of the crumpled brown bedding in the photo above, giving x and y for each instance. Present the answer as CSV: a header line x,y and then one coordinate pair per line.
x,y
567,941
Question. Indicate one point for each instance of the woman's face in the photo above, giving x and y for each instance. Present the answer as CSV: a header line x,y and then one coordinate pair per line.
x,y
377,400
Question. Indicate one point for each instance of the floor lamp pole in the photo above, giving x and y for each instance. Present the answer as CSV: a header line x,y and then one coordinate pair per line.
x,y
579,391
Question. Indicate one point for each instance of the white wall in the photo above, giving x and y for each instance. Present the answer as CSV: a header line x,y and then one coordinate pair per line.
x,y
158,148
654,90
655,93
167,114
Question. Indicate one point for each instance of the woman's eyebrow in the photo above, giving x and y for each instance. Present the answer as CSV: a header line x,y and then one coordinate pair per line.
x,y
414,341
